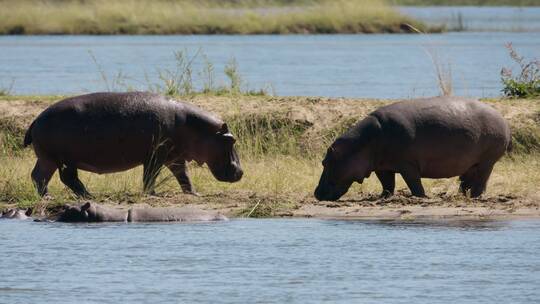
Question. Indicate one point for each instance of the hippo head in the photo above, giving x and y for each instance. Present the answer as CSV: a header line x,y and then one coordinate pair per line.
x,y
349,159
84,213
16,213
221,156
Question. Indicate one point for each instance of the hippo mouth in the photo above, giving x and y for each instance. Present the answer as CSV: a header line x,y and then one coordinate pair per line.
x,y
231,175
330,192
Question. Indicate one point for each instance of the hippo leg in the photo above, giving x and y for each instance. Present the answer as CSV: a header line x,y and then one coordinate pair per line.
x,y
466,179
41,175
479,182
388,182
412,178
179,170
69,176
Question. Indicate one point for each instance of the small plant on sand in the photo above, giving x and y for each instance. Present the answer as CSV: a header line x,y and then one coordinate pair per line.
x,y
231,71
180,81
6,90
526,84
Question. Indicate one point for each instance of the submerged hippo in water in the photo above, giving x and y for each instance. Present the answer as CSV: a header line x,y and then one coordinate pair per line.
x,y
90,212
432,138
16,213
111,132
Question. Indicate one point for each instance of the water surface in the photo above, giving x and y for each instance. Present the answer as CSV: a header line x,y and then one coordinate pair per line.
x,y
380,66
474,18
271,261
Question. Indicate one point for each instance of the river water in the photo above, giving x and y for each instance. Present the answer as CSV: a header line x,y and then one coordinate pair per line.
x,y
271,261
379,66
474,18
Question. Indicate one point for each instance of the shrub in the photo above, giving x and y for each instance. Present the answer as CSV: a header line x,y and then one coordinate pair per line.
x,y
526,84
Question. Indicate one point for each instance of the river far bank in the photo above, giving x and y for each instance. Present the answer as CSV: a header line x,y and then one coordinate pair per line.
x,y
281,142
139,17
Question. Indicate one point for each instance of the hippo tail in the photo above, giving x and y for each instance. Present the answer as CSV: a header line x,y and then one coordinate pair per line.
x,y
28,135
509,147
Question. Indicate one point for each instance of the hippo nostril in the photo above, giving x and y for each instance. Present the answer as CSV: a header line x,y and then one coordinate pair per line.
x,y
237,175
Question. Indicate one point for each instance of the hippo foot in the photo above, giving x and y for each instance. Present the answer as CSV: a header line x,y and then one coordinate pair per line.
x,y
386,194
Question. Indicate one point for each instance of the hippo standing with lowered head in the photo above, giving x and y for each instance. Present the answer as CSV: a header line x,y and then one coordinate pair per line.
x,y
111,132
434,138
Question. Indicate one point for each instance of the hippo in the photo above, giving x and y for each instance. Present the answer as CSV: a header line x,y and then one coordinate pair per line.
x,y
183,214
438,137
91,212
112,132
16,213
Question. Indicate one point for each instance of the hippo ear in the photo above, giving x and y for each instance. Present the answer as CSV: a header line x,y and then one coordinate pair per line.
x,y
86,206
66,206
224,129
29,211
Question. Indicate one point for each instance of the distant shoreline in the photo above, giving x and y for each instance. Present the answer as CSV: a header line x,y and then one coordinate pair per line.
x,y
124,17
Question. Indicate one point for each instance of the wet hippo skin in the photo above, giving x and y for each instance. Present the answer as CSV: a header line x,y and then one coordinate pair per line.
x,y
16,213
91,212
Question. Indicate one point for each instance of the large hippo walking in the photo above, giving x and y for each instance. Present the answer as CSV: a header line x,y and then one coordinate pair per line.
x,y
432,138
111,132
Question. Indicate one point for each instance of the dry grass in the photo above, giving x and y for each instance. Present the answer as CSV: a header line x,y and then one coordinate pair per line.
x,y
194,17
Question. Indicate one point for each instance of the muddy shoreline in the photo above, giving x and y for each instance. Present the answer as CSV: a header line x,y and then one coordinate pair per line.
x,y
400,207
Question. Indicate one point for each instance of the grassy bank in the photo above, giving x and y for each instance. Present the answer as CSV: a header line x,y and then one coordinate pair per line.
x,y
200,17
281,142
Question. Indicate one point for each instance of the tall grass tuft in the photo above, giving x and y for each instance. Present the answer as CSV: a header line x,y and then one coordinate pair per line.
x,y
6,90
443,71
181,80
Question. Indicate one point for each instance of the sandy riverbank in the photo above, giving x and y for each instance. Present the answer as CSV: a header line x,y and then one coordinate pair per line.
x,y
281,141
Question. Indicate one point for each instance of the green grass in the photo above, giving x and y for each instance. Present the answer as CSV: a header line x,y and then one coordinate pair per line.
x,y
206,17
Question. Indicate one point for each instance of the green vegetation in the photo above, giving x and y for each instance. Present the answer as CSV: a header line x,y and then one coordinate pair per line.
x,y
181,80
526,84
467,2
201,17
281,141
5,90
